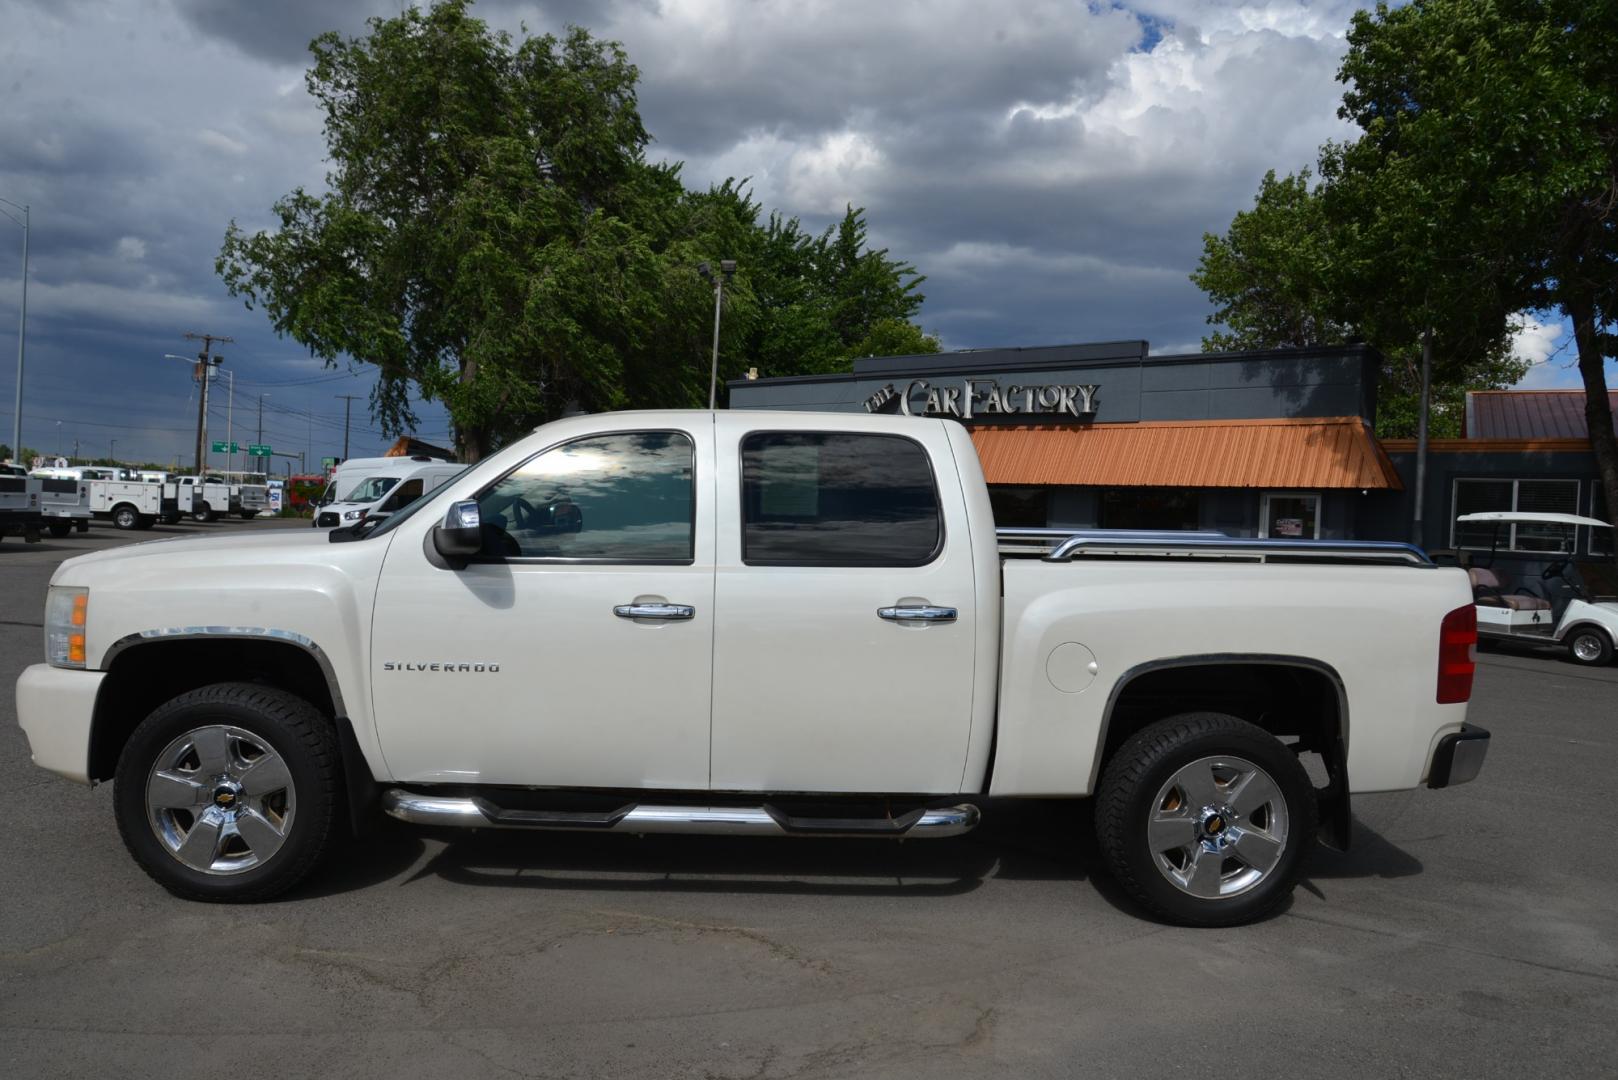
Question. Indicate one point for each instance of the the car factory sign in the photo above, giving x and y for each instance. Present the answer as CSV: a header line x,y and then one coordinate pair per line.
x,y
972,398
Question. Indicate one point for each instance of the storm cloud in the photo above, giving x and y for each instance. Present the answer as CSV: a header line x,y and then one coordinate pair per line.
x,y
1050,166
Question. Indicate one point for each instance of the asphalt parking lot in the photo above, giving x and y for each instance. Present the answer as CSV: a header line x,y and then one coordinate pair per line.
x,y
1470,933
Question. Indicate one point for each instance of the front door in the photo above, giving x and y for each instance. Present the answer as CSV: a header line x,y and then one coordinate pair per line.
x,y
845,642
576,650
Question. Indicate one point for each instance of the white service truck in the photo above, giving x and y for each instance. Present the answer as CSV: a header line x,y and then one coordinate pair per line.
x,y
749,623
114,494
212,497
20,513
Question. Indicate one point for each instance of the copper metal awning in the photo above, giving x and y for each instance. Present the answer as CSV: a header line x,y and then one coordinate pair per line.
x,y
1315,453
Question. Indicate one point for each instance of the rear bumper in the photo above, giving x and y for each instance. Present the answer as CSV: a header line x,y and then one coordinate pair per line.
x,y
1459,757
55,707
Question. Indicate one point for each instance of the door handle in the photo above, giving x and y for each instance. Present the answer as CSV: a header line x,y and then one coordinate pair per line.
x,y
917,613
673,612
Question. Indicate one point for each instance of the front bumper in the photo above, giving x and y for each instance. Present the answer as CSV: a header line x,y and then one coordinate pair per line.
x,y
1459,757
55,709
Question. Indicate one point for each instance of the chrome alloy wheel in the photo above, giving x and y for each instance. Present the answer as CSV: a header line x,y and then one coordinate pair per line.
x,y
1587,647
1218,827
220,799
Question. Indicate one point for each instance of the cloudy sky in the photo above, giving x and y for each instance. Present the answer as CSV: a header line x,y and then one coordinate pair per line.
x,y
1050,166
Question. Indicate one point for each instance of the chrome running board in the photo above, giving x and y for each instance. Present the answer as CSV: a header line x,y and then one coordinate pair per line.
x,y
478,813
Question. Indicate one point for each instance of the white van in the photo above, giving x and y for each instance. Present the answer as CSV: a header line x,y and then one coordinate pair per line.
x,y
382,486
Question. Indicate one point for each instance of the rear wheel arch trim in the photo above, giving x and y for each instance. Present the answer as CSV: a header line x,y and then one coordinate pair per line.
x,y
1221,660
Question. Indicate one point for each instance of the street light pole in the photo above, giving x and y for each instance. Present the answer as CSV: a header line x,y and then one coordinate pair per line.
x,y
727,270
22,330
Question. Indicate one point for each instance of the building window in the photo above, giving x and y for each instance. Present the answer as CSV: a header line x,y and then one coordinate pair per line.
x,y
1020,507
1601,540
1522,496
1158,509
818,499
1290,515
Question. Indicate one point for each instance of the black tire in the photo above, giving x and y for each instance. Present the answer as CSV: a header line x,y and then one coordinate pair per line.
x,y
201,513
146,521
307,745
60,529
249,515
125,517
1143,766
1589,646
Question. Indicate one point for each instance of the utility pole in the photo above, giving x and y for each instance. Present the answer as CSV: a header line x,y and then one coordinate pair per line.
x,y
261,398
206,362
22,329
348,403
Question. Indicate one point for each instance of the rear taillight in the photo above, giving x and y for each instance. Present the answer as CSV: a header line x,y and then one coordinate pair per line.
x,y
1456,638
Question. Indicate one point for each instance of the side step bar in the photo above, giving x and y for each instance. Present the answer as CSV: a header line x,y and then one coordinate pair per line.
x,y
463,812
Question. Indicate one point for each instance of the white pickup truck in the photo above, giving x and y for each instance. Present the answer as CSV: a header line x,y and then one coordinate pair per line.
x,y
749,623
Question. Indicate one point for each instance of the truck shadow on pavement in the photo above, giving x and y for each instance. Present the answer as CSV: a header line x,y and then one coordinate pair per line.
x,y
1018,841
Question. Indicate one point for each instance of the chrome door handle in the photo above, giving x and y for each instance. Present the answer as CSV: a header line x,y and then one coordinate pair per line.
x,y
917,612
654,611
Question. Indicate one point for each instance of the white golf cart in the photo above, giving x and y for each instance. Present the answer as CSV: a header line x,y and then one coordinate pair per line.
x,y
1555,609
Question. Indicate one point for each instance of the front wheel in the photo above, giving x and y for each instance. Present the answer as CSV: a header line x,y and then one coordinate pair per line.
x,y
1589,646
227,793
1206,819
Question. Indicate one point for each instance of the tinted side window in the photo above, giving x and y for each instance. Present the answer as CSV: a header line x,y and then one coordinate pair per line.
x,y
619,498
831,499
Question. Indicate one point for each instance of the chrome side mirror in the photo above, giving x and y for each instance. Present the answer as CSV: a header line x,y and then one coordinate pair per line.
x,y
460,535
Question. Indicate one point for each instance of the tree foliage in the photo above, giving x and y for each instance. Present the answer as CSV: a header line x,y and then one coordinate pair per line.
x,y
1497,121
492,236
1292,271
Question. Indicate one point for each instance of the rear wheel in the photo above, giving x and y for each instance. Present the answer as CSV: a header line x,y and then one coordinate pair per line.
x,y
1206,819
201,513
125,517
60,529
228,793
1589,646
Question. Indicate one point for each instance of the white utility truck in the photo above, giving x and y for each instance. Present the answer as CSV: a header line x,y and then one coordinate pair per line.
x,y
389,485
749,623
212,497
115,494
20,514
1555,609
64,505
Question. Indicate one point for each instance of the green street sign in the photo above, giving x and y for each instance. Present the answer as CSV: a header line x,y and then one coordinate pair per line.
x,y
256,450
226,448
328,463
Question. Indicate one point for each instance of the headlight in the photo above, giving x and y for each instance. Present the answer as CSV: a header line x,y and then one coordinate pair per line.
x,y
353,515
67,610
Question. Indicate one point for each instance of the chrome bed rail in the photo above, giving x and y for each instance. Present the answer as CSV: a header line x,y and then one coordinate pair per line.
x,y
1063,545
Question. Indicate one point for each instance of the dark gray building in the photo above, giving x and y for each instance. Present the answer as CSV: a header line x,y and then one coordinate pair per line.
x,y
1272,443
1106,435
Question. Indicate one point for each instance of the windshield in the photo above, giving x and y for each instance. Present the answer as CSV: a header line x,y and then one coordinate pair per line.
x,y
371,489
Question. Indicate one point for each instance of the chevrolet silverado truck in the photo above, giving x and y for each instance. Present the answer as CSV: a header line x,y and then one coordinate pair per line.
x,y
750,623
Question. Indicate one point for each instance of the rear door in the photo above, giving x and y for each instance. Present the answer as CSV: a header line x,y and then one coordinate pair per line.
x,y
844,596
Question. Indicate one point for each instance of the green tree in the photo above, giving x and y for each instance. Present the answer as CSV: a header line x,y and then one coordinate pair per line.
x,y
492,236
1490,136
1292,271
